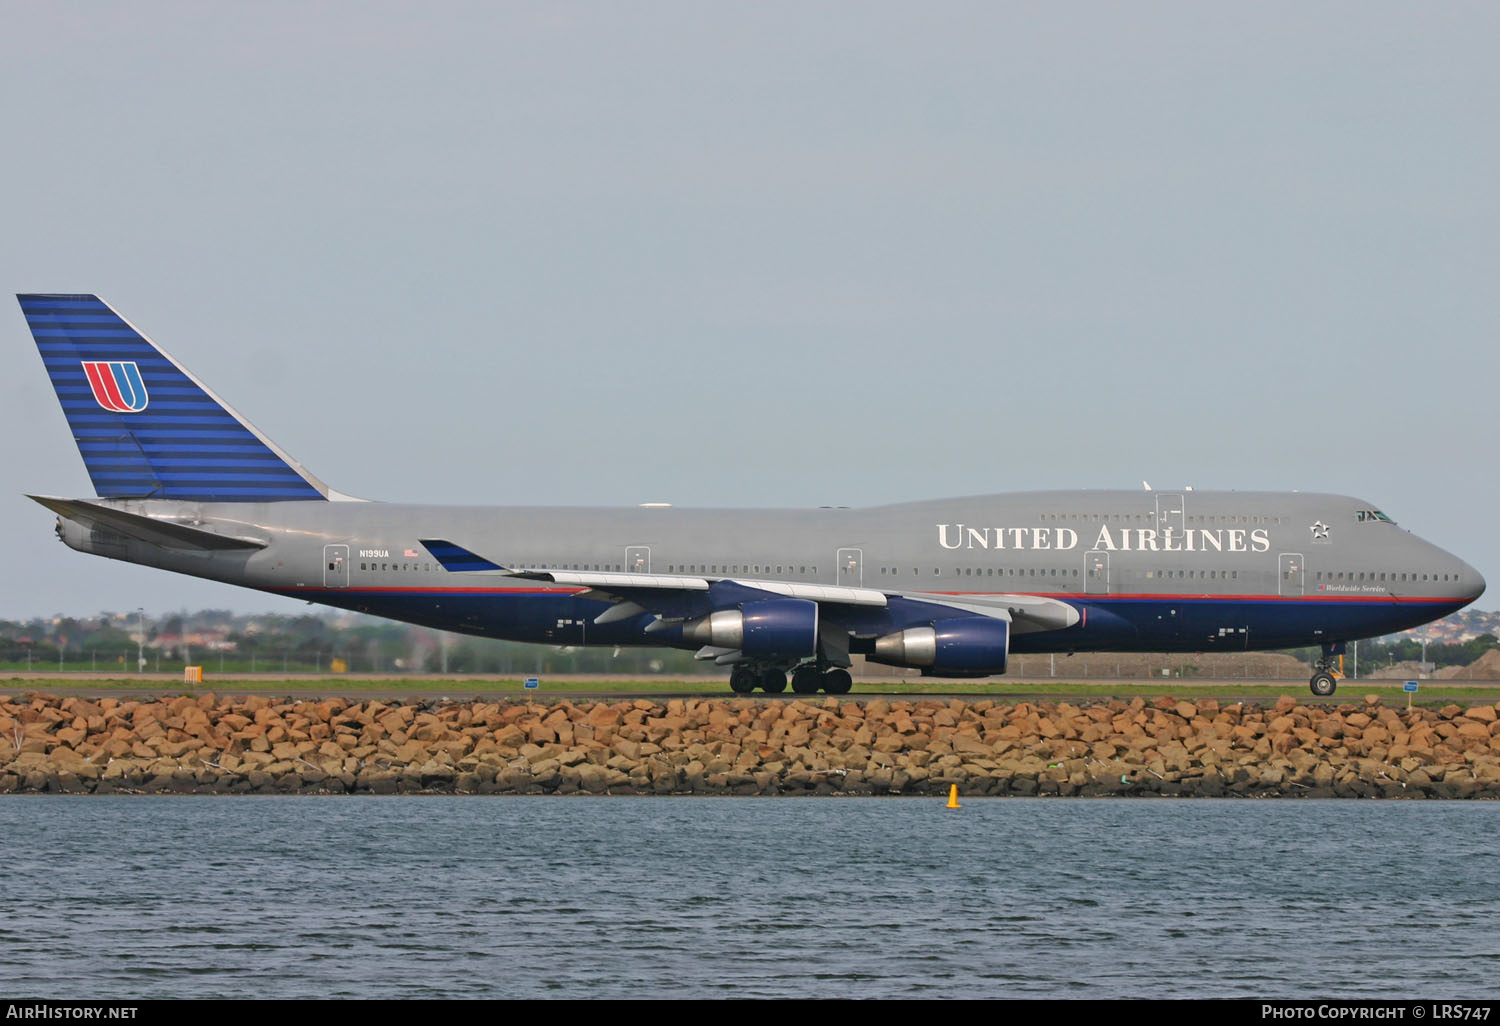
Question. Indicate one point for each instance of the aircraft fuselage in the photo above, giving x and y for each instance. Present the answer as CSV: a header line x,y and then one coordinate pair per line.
x,y
1157,571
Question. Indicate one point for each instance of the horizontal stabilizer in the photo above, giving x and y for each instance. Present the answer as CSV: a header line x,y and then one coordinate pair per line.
x,y
457,559
152,530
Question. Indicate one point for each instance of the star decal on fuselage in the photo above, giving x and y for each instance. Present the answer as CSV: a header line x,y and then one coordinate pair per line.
x,y
1320,531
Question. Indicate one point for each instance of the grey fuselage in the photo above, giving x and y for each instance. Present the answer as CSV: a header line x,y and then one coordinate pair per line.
x,y
1146,570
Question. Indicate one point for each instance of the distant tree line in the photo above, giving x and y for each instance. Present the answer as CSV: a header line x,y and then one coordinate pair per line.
x,y
306,644
359,644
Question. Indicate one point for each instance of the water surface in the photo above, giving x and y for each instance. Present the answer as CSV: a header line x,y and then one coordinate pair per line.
x,y
289,897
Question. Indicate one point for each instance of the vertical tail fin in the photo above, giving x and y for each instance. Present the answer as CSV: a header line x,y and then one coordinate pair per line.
x,y
145,427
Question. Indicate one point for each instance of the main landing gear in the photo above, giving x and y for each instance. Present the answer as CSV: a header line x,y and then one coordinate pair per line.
x,y
1328,670
808,679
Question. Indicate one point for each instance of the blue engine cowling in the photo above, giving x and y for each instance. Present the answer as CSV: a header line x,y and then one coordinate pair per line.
x,y
970,646
781,628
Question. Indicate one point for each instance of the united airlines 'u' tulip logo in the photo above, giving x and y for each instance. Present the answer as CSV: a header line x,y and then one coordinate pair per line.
x,y
117,385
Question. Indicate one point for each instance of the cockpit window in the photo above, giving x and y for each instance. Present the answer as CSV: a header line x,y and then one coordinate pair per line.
x,y
1364,515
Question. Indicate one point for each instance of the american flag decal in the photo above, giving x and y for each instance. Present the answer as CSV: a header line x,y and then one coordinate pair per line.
x,y
117,385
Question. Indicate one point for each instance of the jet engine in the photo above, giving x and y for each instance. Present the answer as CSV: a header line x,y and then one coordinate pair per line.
x,y
970,646
781,628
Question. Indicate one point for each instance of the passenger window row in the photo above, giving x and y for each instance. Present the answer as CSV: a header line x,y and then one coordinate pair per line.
x,y
1152,518
1376,577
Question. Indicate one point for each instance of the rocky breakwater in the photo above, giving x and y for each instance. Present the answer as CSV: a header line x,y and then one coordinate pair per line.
x,y
747,747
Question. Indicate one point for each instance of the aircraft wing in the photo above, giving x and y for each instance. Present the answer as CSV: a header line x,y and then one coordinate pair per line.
x,y
614,584
865,611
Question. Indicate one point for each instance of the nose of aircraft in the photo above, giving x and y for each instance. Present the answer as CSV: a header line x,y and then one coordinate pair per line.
x,y
1473,582
1470,581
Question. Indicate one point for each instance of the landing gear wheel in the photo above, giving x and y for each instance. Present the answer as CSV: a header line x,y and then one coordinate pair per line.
x,y
837,682
1322,684
774,681
806,680
742,681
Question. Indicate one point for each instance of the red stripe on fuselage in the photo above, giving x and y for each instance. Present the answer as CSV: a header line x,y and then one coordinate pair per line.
x,y
1146,596
432,591
935,595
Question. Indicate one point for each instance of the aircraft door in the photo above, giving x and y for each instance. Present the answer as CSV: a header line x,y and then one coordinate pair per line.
x,y
638,559
1096,572
1290,576
851,570
335,566
1169,513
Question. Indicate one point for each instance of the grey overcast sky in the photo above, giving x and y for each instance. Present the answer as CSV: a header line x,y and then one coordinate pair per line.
x,y
770,254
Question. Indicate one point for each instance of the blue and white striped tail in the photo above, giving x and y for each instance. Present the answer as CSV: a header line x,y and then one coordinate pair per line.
x,y
146,427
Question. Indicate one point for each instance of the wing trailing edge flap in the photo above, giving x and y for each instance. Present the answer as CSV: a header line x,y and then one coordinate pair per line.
x,y
722,656
152,530
1027,614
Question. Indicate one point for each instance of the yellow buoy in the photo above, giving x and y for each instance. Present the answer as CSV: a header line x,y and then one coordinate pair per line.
x,y
953,797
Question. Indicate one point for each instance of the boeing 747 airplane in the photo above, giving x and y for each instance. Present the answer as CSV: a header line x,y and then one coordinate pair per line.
x,y
950,587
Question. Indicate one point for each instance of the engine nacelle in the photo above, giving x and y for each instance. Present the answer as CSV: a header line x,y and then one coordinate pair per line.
x,y
782,628
970,646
